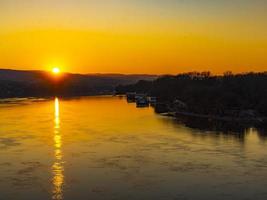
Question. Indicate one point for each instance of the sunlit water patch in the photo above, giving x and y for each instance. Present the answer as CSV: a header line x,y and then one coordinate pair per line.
x,y
104,148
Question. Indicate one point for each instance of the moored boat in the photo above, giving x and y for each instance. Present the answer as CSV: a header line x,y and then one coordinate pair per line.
x,y
131,97
152,100
141,100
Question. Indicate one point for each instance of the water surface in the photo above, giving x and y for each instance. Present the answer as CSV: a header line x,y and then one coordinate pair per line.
x,y
103,148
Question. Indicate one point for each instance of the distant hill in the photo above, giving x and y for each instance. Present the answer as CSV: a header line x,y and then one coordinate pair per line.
x,y
18,83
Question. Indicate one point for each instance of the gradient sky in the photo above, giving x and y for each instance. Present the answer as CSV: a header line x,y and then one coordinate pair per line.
x,y
134,36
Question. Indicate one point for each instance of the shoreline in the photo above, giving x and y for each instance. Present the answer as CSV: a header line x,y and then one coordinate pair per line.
x,y
247,121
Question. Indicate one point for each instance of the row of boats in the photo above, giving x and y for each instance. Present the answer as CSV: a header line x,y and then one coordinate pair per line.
x,y
141,100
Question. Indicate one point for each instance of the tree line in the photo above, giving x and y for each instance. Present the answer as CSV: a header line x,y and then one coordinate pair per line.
x,y
206,93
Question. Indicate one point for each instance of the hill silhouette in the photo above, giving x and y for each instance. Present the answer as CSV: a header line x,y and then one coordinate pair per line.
x,y
17,83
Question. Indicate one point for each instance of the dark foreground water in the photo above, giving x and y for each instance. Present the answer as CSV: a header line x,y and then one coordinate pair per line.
x,y
103,148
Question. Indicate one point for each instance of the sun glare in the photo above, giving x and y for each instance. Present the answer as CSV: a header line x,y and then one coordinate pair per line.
x,y
56,70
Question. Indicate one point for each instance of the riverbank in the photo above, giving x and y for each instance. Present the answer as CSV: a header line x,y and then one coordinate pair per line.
x,y
246,118
239,98
216,117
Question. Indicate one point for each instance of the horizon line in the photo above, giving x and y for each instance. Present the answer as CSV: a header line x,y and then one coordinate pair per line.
x,y
138,74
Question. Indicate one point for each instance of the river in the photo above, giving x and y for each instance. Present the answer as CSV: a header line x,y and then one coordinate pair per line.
x,y
103,148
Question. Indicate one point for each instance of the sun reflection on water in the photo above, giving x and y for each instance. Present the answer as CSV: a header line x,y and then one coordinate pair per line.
x,y
57,168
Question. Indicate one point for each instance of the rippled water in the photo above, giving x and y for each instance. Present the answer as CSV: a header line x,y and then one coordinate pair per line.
x,y
103,148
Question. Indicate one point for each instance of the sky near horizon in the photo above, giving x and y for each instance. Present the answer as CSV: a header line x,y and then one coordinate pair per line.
x,y
134,36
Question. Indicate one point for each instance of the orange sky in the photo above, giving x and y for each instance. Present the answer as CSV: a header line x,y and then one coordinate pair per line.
x,y
134,36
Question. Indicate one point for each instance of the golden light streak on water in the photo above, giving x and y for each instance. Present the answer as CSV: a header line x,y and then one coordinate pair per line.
x,y
57,168
130,154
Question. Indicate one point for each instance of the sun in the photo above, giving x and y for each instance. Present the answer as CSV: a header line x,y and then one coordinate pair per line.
x,y
56,70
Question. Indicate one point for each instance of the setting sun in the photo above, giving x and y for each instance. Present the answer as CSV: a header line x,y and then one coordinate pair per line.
x,y
133,99
56,70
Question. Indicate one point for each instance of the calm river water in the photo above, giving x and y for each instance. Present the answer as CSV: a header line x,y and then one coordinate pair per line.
x,y
103,148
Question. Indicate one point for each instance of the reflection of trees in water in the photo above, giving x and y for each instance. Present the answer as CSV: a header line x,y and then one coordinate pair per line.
x,y
237,130
262,133
213,125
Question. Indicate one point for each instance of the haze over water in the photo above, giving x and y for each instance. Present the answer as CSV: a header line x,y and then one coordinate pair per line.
x,y
104,148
